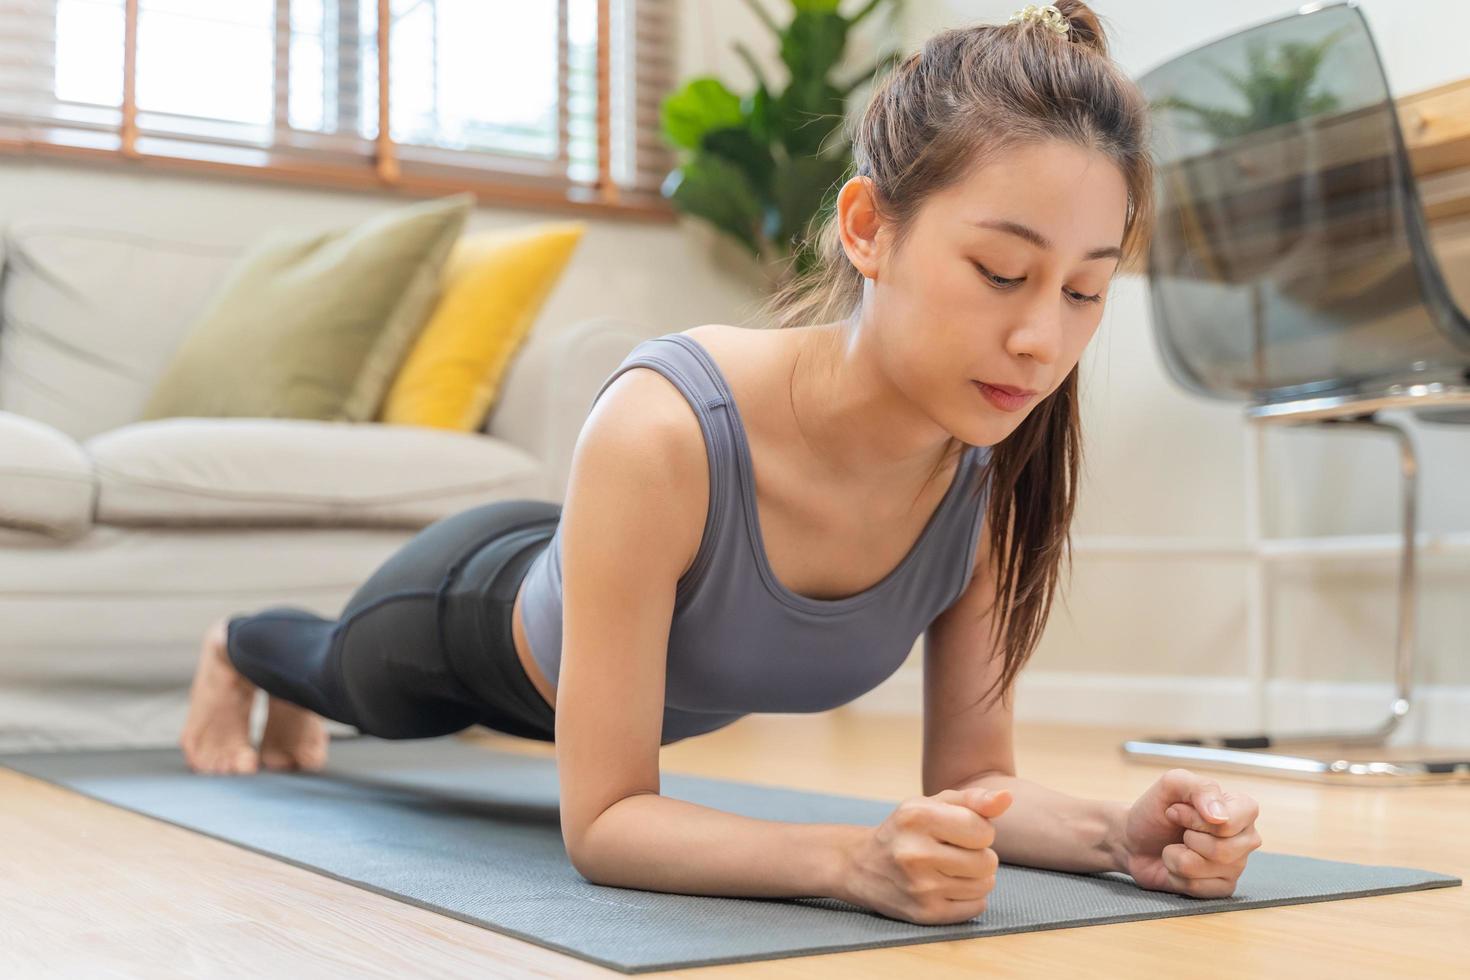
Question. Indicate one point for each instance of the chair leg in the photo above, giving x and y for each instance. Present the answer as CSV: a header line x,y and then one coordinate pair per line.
x,y
1243,752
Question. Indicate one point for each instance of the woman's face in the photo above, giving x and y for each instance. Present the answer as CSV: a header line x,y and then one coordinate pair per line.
x,y
1002,280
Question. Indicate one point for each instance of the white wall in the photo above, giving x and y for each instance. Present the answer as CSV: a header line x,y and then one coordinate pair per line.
x,y
1163,462
653,273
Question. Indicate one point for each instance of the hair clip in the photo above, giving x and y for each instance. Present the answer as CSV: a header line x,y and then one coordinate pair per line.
x,y
1048,15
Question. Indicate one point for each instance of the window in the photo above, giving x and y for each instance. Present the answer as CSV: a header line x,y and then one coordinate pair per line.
x,y
551,102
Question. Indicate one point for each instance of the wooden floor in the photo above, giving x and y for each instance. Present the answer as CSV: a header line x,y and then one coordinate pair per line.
x,y
87,889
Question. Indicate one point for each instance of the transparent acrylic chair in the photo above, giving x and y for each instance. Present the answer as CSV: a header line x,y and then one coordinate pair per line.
x,y
1291,270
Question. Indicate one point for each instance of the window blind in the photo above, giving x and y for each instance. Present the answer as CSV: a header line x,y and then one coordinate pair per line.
x,y
537,99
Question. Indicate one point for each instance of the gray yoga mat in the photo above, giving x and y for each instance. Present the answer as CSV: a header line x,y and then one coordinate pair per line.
x,y
473,833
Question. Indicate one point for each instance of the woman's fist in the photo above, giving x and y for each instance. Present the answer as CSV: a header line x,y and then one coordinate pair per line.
x,y
930,861
1187,835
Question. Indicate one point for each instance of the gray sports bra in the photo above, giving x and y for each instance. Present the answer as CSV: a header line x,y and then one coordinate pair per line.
x,y
740,641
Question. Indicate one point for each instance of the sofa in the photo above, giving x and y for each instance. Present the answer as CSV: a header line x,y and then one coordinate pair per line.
x,y
122,540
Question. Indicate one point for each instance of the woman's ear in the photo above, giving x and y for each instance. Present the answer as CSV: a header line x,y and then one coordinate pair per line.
x,y
858,224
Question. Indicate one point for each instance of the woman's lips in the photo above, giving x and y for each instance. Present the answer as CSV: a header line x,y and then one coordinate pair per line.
x,y
1003,400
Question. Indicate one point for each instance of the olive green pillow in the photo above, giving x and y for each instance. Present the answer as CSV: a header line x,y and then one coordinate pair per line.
x,y
315,326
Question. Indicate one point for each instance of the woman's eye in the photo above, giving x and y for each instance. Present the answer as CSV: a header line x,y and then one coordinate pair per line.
x,y
1072,294
998,280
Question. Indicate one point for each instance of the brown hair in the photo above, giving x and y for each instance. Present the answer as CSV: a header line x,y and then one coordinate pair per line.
x,y
968,94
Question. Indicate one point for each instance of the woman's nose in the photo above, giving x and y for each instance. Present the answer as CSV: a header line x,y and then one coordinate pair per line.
x,y
1038,335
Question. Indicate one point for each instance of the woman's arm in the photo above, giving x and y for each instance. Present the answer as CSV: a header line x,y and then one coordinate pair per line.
x,y
1047,829
967,745
632,523
659,843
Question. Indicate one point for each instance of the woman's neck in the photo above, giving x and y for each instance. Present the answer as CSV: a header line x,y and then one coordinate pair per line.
x,y
853,419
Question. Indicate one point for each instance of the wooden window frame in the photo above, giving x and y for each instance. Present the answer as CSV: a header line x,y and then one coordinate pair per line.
x,y
381,170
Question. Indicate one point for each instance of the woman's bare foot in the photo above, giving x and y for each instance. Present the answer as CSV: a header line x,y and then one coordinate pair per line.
x,y
216,735
294,738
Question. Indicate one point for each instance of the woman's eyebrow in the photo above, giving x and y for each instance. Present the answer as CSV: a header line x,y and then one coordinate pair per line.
x,y
1041,241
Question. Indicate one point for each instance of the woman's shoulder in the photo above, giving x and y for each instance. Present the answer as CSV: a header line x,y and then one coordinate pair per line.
x,y
651,401
644,391
644,407
731,341
746,358
643,445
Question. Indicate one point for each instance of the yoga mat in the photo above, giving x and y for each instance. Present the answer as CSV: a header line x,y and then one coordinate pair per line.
x,y
473,833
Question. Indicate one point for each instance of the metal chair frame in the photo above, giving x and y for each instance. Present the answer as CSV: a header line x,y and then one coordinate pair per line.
x,y
1354,410
1243,752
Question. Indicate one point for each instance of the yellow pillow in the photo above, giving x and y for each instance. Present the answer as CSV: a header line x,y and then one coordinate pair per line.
x,y
494,283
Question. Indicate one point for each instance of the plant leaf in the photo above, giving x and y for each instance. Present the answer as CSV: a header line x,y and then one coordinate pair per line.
x,y
756,108
738,145
806,114
803,187
716,190
698,106
812,44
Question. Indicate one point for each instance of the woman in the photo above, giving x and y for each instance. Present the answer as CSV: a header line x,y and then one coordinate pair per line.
x,y
914,428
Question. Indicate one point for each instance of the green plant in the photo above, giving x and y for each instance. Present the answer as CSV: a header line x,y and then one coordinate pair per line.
x,y
1276,90
759,167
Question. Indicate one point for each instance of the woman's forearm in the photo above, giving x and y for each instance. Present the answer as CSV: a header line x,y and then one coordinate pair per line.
x,y
1043,828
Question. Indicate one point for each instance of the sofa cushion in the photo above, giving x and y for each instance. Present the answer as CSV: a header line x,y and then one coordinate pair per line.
x,y
207,471
46,480
495,283
89,316
314,325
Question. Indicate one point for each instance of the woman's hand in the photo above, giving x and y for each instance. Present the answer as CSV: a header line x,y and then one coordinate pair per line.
x,y
1175,840
930,861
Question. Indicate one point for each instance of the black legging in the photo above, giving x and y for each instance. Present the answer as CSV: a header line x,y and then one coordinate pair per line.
x,y
424,646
